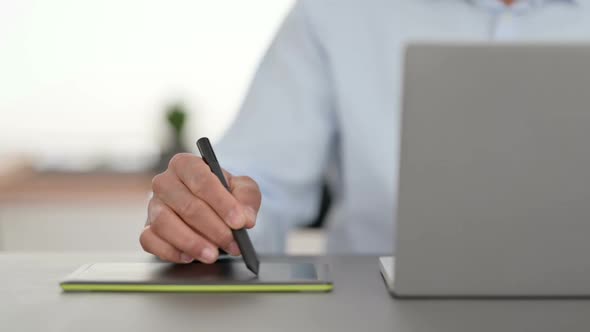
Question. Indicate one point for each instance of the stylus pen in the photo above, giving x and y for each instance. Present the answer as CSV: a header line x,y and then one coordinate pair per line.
x,y
240,235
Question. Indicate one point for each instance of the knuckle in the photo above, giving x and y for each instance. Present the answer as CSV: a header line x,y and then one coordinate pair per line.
x,y
179,159
201,183
200,164
200,167
191,209
158,182
158,224
155,207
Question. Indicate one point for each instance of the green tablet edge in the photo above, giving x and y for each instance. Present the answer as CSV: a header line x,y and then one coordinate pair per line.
x,y
195,288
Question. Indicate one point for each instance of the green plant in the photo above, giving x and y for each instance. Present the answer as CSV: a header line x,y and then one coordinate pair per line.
x,y
176,116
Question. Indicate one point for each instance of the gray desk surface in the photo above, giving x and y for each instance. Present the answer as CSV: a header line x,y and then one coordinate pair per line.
x,y
31,300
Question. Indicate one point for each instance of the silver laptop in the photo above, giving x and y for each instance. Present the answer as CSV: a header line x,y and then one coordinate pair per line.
x,y
494,192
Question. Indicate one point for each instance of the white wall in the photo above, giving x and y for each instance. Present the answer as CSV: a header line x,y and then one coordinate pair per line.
x,y
84,82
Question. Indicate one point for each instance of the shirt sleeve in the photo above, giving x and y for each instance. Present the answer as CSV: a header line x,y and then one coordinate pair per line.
x,y
284,130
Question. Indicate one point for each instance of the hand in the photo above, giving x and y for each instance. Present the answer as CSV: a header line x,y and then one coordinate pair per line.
x,y
191,214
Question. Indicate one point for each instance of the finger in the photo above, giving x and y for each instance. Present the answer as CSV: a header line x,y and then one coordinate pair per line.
x,y
170,228
246,191
199,179
195,212
228,176
151,243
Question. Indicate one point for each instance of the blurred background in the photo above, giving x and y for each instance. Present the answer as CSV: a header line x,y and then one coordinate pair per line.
x,y
95,96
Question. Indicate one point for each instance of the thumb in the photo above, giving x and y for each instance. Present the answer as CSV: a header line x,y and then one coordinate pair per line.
x,y
247,192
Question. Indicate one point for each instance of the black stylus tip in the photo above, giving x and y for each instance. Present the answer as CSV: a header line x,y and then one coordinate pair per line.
x,y
253,265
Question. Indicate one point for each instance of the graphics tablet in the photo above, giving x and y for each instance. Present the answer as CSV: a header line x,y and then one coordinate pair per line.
x,y
223,276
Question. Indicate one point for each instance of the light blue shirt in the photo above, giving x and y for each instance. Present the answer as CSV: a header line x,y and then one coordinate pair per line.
x,y
325,100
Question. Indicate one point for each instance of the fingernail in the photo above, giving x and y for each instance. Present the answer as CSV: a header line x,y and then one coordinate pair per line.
x,y
234,219
251,216
208,255
233,249
186,258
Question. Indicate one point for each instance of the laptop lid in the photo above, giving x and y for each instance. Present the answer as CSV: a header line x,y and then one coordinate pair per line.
x,y
494,194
